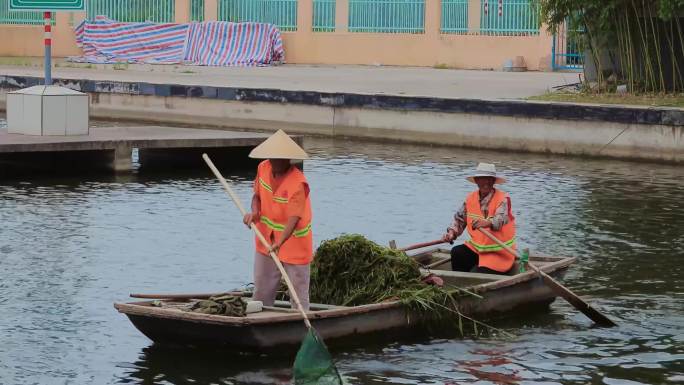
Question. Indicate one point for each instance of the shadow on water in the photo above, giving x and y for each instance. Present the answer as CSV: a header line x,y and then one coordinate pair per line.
x,y
187,160
163,364
180,161
192,167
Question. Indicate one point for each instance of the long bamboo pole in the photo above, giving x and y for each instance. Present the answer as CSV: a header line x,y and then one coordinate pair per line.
x,y
630,47
681,41
656,38
645,52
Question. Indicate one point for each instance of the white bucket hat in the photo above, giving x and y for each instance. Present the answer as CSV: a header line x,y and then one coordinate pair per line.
x,y
278,146
488,170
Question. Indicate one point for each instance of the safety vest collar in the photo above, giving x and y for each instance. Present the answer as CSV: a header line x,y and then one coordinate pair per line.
x,y
268,188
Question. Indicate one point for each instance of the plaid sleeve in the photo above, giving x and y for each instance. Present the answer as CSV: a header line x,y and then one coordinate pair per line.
x,y
500,217
459,223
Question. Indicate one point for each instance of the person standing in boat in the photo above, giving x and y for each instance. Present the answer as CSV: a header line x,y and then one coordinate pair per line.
x,y
281,210
488,208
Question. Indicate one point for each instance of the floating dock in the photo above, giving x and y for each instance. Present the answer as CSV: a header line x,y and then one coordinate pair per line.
x,y
112,148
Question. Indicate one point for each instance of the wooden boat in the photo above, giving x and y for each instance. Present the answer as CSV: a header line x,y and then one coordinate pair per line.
x,y
280,327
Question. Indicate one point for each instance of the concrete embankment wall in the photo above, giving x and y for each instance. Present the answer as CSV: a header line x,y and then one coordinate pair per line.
x,y
596,130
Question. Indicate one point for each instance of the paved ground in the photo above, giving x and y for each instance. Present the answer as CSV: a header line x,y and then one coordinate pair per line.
x,y
408,81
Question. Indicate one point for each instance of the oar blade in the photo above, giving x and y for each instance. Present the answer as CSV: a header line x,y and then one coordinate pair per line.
x,y
561,290
578,303
598,317
314,364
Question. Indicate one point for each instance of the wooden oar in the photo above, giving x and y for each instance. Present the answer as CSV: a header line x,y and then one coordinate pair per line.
x,y
393,245
561,290
186,296
424,244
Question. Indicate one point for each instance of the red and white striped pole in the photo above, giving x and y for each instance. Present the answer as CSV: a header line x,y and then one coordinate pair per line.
x,y
48,47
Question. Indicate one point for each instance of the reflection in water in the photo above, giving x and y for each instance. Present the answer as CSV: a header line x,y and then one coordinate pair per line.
x,y
71,247
159,364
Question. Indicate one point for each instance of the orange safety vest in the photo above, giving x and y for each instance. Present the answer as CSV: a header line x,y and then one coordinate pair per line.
x,y
298,249
491,255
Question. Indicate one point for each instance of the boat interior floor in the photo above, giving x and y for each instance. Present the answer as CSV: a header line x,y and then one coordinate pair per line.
x,y
278,308
438,262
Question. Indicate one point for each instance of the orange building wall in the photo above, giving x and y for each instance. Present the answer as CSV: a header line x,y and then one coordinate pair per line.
x,y
431,48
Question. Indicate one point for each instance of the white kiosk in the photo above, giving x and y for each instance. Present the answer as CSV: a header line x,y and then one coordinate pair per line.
x,y
47,109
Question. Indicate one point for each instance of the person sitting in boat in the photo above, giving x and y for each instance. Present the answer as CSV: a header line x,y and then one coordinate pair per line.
x,y
281,210
487,208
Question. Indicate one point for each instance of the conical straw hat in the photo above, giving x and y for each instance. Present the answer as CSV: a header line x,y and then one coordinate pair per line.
x,y
278,146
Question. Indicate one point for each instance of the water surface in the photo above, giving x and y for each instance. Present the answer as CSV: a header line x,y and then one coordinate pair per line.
x,y
70,247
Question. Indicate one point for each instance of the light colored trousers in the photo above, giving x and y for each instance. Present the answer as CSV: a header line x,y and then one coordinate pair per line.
x,y
267,280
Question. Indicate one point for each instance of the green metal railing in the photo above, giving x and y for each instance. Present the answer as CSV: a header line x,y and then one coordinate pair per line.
x,y
282,13
454,16
568,47
196,10
20,17
387,16
324,15
160,11
515,17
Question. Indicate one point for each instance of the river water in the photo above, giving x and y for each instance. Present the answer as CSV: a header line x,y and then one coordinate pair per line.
x,y
70,247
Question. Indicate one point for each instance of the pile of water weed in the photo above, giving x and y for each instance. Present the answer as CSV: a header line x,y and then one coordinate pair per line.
x,y
351,270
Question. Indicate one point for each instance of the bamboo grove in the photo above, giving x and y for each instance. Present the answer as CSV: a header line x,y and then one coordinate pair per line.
x,y
640,42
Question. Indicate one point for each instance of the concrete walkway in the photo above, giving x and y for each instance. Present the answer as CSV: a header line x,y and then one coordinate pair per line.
x,y
103,138
429,82
118,142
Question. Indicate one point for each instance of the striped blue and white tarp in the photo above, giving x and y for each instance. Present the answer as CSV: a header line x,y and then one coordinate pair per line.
x,y
220,43
215,43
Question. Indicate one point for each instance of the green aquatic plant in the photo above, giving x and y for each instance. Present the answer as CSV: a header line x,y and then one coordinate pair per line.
x,y
351,270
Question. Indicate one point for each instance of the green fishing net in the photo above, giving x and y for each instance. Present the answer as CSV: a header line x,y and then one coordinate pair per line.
x,y
313,364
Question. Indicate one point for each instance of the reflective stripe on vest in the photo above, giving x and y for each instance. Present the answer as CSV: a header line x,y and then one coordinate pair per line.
x,y
272,225
489,248
302,232
265,185
281,227
475,216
